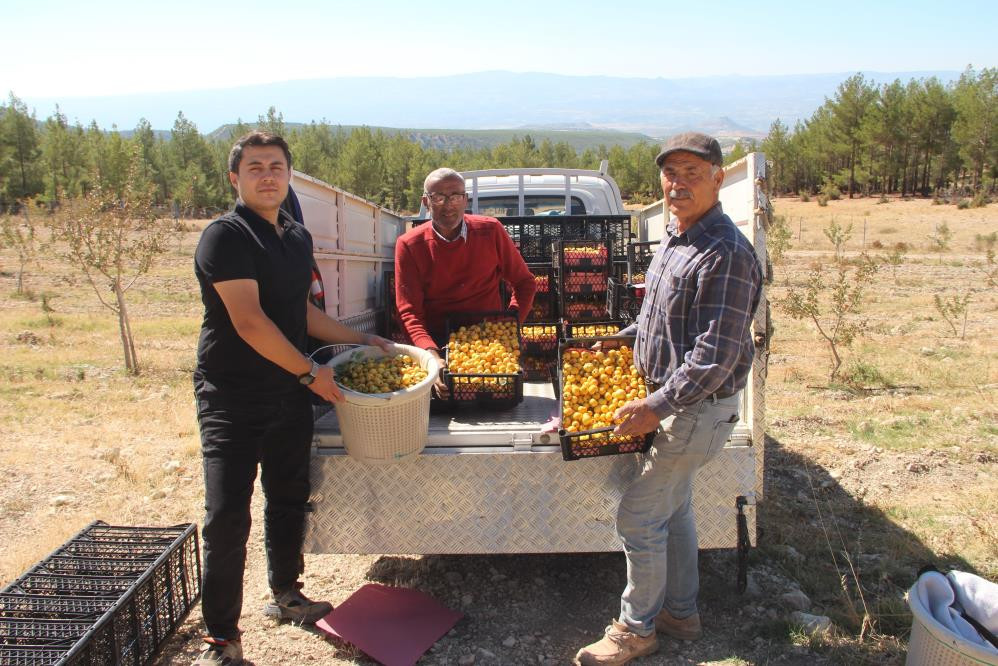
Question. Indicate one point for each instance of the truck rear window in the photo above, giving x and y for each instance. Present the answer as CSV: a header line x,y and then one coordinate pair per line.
x,y
534,204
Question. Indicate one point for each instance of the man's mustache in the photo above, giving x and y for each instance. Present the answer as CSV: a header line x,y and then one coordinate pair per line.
x,y
680,194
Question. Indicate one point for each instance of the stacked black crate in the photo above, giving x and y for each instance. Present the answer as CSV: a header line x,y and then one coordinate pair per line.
x,y
583,267
541,331
110,595
625,293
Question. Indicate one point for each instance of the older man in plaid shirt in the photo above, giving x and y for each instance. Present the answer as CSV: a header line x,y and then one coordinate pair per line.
x,y
694,342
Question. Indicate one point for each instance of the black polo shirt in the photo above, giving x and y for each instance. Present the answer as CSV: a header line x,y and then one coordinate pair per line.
x,y
241,245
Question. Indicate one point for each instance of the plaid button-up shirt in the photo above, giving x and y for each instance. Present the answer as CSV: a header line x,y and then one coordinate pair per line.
x,y
693,331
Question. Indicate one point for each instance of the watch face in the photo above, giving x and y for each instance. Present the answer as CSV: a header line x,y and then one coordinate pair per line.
x,y
307,379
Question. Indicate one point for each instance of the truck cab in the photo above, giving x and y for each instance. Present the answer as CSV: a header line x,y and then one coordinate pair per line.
x,y
542,191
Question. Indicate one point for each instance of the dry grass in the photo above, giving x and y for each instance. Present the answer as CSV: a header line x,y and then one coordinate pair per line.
x,y
76,426
901,460
910,221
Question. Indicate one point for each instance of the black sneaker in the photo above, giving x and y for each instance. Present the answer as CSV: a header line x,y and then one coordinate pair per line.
x,y
292,605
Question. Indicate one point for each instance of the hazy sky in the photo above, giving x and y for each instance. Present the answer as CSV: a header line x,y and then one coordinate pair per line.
x,y
56,48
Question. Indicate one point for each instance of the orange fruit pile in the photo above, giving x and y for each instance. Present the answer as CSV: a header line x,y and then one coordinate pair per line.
x,y
381,375
489,348
595,385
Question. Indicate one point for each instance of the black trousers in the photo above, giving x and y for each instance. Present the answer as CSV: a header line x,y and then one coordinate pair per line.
x,y
236,437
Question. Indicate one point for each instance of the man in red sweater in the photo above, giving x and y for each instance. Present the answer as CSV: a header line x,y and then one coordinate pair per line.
x,y
454,264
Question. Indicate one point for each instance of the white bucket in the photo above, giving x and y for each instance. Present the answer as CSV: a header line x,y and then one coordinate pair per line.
x,y
932,644
386,427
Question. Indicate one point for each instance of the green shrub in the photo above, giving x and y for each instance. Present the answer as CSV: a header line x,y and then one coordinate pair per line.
x,y
963,204
883,199
985,242
980,200
822,200
859,374
831,191
804,196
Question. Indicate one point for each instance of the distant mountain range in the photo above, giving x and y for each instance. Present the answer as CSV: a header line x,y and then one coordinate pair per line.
x,y
578,138
727,106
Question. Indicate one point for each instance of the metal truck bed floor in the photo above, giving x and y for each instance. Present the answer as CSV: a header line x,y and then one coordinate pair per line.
x,y
475,426
491,482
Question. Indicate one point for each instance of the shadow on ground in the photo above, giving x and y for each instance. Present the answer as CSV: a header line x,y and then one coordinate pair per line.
x,y
813,536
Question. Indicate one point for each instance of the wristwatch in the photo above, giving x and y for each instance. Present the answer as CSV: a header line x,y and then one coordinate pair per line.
x,y
309,377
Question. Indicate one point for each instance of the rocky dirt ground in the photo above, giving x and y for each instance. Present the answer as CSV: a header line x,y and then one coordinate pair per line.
x,y
83,441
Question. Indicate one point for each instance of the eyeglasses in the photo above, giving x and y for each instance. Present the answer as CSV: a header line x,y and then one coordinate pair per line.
x,y
439,199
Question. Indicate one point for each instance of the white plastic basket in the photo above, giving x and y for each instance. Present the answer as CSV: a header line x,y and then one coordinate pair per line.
x,y
386,427
932,644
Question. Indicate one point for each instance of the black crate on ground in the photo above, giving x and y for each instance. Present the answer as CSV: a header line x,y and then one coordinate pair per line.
x,y
499,390
533,235
110,595
601,441
593,329
545,299
539,349
623,301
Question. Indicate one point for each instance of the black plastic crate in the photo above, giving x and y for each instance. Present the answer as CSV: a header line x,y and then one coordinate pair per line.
x,y
623,301
91,566
600,441
538,368
110,595
17,605
582,255
639,256
540,339
533,235
29,655
499,390
593,329
49,631
578,308
546,297
539,349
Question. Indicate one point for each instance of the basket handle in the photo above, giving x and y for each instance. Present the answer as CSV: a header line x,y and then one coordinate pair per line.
x,y
338,344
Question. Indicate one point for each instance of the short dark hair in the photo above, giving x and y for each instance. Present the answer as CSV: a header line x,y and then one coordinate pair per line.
x,y
256,138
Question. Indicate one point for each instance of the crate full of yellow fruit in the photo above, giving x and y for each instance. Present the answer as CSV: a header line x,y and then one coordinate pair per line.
x,y
483,359
597,377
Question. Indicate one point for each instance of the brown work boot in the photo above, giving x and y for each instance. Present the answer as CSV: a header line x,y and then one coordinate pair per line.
x,y
291,604
685,629
618,646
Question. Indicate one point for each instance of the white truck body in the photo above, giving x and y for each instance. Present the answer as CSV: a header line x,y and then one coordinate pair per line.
x,y
492,482
541,191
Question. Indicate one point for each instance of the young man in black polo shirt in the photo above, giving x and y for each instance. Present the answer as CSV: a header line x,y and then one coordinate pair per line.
x,y
252,384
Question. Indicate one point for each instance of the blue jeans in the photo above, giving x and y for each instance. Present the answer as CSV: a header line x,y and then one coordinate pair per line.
x,y
655,519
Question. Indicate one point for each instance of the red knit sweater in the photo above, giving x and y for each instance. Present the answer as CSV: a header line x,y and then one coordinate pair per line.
x,y
434,278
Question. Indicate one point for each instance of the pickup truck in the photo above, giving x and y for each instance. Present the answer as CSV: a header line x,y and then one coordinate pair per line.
x,y
494,482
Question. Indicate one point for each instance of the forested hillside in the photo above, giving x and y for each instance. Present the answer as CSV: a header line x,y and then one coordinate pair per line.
x,y
919,137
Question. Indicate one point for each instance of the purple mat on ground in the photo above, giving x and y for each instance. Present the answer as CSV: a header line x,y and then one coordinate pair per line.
x,y
393,625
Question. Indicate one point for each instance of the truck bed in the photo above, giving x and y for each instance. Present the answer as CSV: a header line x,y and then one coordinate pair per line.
x,y
476,427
